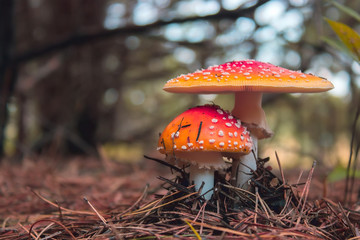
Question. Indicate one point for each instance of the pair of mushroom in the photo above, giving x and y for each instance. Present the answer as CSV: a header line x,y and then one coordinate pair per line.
x,y
200,134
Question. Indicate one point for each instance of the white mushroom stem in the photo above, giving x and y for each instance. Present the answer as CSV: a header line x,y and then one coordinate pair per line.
x,y
248,109
200,175
202,167
245,166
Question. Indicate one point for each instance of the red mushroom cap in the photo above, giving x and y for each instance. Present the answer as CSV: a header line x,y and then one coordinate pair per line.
x,y
247,76
205,128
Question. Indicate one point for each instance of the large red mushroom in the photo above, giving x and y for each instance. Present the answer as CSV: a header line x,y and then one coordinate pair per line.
x,y
248,79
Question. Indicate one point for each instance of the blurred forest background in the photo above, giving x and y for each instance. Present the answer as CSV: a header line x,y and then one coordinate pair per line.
x,y
79,77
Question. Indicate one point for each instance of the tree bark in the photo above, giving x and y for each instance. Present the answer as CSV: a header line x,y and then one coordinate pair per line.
x,y
7,69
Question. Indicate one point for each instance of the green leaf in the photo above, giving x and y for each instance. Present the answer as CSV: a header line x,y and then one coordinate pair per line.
x,y
347,10
348,36
339,173
337,44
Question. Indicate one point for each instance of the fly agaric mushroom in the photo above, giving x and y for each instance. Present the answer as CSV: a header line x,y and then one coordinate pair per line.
x,y
199,137
248,79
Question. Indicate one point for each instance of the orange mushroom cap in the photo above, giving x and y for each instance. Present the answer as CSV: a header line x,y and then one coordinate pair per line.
x,y
205,128
247,76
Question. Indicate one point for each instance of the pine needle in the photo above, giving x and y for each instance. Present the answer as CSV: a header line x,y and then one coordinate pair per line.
x,y
193,229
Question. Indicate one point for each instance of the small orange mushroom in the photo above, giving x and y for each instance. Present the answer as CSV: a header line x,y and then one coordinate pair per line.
x,y
200,136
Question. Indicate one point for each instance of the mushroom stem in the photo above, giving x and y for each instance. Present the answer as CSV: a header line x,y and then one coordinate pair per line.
x,y
200,175
202,168
248,108
234,170
246,165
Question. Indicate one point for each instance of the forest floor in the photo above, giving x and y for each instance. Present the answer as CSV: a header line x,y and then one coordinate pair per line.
x,y
85,198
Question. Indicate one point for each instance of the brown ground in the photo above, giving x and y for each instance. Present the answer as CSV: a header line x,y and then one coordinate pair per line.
x,y
108,187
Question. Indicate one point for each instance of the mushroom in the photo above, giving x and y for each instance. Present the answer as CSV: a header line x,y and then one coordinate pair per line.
x,y
248,79
199,137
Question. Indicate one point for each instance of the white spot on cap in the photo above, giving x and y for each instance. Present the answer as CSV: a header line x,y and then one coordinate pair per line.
x,y
220,111
190,144
183,147
177,134
201,147
214,120
174,146
230,134
211,127
228,124
246,73
201,142
292,76
230,117
235,143
221,133
235,134
277,75
221,144
237,125
242,137
159,148
211,140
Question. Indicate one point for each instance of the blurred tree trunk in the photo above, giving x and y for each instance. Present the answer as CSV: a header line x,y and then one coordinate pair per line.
x,y
8,70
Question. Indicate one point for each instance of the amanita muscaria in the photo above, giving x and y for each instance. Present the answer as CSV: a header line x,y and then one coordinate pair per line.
x,y
248,79
200,137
